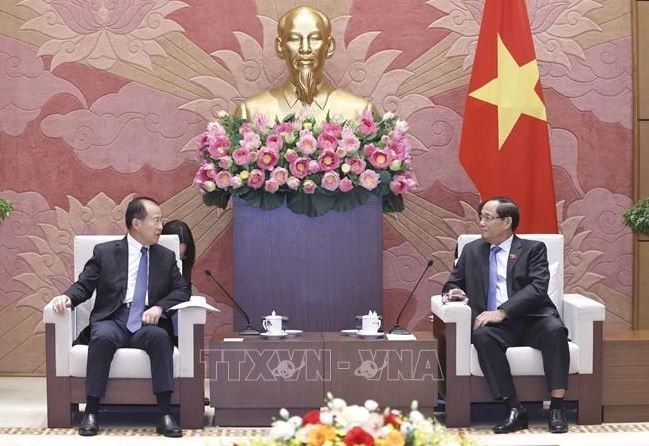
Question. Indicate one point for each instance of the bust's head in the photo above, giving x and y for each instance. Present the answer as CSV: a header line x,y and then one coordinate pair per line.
x,y
304,42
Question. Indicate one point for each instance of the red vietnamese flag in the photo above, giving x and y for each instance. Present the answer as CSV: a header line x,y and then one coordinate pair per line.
x,y
505,147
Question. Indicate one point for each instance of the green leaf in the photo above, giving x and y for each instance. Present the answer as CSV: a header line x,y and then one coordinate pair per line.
x,y
393,203
346,201
217,198
311,205
264,200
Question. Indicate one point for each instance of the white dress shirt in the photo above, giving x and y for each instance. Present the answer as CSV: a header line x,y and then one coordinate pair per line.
x,y
134,255
502,257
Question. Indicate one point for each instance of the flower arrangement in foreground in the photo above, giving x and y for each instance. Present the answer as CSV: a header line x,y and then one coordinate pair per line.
x,y
312,166
338,424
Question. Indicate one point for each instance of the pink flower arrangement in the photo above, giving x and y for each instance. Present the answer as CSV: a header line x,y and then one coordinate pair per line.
x,y
301,156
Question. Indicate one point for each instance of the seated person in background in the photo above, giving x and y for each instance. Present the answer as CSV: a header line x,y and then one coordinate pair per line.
x,y
187,247
128,308
187,251
513,310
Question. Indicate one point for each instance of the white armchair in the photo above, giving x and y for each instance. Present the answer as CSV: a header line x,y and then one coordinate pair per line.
x,y
464,380
130,372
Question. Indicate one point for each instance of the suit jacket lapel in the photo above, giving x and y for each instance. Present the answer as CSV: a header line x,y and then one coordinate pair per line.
x,y
121,259
484,271
514,254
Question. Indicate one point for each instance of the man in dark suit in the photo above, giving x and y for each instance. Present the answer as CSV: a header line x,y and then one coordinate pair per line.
x,y
504,279
136,281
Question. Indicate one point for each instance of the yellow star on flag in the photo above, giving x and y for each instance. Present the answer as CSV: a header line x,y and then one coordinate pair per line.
x,y
512,92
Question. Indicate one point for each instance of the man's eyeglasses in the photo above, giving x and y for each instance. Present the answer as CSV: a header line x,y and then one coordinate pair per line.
x,y
489,218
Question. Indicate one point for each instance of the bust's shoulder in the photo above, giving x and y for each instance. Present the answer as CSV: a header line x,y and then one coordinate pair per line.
x,y
349,97
266,102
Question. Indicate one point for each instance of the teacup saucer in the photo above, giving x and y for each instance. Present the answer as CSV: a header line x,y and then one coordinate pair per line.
x,y
292,332
278,335
350,332
370,334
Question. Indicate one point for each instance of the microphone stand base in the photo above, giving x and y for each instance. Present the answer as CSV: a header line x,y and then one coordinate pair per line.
x,y
249,331
399,331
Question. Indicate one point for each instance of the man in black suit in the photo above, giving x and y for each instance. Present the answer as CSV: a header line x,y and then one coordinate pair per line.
x,y
504,279
136,281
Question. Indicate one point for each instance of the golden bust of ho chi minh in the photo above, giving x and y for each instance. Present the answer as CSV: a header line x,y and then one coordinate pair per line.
x,y
304,41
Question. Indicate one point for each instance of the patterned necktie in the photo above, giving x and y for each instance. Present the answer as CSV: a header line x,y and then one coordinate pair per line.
x,y
137,305
492,302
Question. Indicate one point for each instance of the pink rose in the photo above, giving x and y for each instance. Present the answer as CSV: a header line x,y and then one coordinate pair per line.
x,y
256,179
299,167
330,181
241,156
307,143
290,155
205,172
218,146
346,185
280,175
367,125
251,141
309,187
349,141
369,179
398,185
261,123
271,186
327,141
356,165
314,167
236,182
223,179
267,158
380,159
293,183
328,160
368,150
225,162
332,128
245,128
275,142
216,129
283,128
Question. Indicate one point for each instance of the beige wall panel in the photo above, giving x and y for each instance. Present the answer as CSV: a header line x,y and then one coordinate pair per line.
x,y
643,154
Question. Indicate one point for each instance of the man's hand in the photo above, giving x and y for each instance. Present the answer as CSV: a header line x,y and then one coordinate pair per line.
x,y
489,317
455,295
61,303
152,315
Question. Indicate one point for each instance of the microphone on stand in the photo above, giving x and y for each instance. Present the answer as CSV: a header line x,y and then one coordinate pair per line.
x,y
249,330
402,331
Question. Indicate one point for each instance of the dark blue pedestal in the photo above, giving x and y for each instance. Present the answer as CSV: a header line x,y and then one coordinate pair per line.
x,y
318,271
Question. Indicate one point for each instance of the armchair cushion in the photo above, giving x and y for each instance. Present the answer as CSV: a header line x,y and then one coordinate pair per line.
x,y
526,361
127,363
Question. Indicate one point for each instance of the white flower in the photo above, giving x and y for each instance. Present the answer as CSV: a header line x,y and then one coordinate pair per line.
x,y
401,126
337,404
236,182
281,430
406,427
222,114
371,405
326,418
414,405
416,417
295,421
209,186
388,115
352,416
395,165
283,413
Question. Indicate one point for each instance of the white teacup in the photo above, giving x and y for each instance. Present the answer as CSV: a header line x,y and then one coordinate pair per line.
x,y
272,323
370,323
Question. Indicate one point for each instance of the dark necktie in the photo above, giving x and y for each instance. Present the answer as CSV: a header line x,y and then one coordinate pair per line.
x,y
139,296
492,302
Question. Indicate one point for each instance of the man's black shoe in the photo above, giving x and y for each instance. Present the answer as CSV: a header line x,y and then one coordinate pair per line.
x,y
88,426
557,424
168,427
515,421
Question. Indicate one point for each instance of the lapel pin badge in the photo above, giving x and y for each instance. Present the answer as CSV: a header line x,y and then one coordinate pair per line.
x,y
512,256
